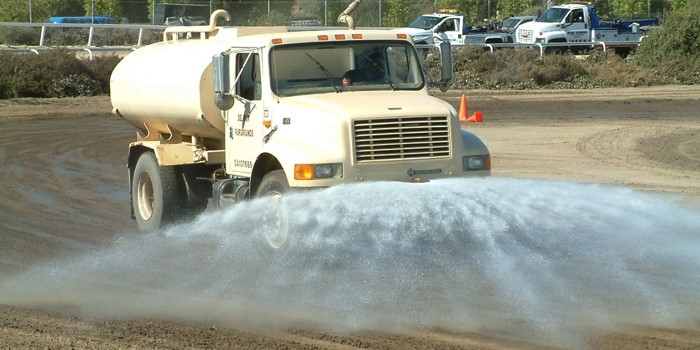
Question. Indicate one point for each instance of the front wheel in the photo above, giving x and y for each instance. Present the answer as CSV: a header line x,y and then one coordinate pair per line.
x,y
155,194
275,223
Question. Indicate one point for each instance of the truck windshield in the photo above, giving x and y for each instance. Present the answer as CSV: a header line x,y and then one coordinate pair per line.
x,y
314,68
425,22
510,24
554,15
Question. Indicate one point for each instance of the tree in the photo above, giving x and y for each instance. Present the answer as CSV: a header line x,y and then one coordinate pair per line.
x,y
675,45
41,10
398,14
506,8
677,4
110,8
631,8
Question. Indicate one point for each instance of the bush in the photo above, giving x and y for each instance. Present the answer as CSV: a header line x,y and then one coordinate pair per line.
x,y
20,36
57,36
475,68
673,49
56,73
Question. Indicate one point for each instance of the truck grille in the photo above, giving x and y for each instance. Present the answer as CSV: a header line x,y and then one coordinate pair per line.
x,y
401,138
526,36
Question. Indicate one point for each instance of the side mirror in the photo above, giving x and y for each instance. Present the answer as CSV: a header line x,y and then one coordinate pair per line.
x,y
446,66
222,99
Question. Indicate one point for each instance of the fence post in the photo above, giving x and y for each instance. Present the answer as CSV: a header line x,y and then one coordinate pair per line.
x,y
43,35
89,43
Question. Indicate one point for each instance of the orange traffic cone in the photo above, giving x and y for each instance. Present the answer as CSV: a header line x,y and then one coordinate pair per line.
x,y
477,117
463,109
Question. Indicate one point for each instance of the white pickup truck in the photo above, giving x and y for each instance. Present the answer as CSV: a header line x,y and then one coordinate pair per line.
x,y
577,25
431,29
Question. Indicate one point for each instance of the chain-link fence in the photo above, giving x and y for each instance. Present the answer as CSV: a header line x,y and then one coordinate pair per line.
x,y
369,13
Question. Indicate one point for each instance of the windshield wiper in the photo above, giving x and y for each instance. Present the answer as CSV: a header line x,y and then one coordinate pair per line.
x,y
381,70
328,74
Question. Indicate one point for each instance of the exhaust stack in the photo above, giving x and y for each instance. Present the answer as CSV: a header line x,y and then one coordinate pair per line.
x,y
345,15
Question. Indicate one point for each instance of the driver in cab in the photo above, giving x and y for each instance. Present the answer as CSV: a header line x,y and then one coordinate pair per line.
x,y
370,71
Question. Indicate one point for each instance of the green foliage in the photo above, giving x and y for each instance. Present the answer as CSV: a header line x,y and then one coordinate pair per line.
x,y
69,8
518,7
18,10
110,8
475,68
398,14
41,10
676,4
58,73
673,49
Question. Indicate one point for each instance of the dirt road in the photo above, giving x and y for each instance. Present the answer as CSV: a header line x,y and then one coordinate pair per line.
x,y
64,200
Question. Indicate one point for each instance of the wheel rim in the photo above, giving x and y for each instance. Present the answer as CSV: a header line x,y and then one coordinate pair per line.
x,y
144,196
274,222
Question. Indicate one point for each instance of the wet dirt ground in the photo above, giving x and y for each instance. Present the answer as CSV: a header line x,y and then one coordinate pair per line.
x,y
63,192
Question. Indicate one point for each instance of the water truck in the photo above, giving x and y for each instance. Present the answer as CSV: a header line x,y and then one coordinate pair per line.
x,y
225,114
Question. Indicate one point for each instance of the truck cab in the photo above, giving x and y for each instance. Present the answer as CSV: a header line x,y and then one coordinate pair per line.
x,y
450,26
431,29
566,23
580,24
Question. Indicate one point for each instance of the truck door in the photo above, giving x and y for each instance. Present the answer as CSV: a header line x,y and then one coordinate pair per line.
x,y
244,119
577,27
450,29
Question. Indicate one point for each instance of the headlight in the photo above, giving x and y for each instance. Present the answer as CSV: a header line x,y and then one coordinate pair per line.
x,y
318,171
482,162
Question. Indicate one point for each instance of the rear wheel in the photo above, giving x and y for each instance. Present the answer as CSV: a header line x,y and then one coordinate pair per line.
x,y
275,224
155,194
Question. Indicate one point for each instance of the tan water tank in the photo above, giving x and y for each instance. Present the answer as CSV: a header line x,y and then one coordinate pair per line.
x,y
168,86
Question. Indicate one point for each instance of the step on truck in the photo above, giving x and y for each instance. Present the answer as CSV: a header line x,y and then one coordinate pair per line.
x,y
241,112
578,25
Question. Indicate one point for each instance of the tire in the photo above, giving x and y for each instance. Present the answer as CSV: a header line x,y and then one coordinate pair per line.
x,y
274,183
156,194
275,221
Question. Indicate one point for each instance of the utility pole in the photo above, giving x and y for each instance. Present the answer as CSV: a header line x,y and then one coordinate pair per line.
x,y
30,11
488,11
